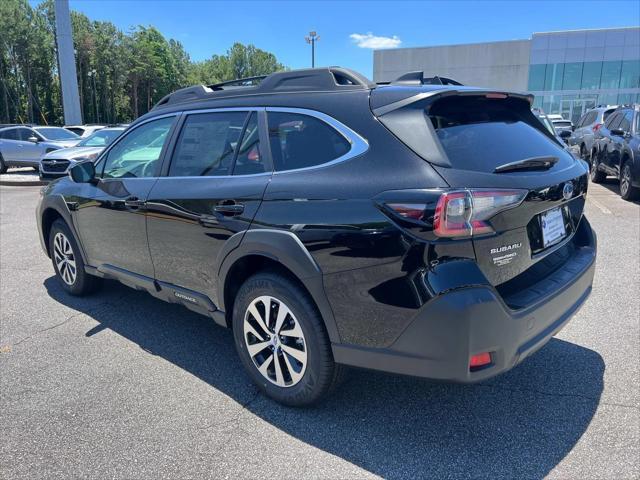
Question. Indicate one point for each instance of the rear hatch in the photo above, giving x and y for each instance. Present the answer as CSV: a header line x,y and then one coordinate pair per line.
x,y
521,193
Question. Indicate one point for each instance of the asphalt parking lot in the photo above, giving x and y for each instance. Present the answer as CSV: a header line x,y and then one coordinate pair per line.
x,y
122,385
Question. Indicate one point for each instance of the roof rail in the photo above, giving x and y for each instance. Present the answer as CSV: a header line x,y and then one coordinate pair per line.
x,y
418,78
327,79
240,82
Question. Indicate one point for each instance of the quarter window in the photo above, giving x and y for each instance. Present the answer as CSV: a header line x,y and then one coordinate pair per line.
x,y
625,122
301,141
613,121
207,144
138,153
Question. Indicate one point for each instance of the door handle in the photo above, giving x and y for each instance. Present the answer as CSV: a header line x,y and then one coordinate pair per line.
x,y
229,208
134,202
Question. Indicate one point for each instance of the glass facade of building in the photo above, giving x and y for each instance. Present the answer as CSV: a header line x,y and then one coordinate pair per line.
x,y
571,72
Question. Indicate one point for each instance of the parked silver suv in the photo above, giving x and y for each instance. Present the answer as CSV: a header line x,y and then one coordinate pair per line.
x,y
57,163
23,145
584,134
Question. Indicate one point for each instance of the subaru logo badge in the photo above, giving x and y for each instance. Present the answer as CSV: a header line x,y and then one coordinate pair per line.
x,y
567,190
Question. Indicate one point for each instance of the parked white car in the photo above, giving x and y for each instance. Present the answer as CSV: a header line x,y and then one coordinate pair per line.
x,y
24,145
57,164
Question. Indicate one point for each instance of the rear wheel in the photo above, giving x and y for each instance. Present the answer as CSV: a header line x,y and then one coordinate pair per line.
x,y
67,261
583,153
627,190
281,340
597,176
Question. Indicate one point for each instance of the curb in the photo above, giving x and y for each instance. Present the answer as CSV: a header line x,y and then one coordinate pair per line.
x,y
23,183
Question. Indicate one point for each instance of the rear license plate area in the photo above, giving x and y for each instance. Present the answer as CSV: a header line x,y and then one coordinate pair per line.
x,y
553,226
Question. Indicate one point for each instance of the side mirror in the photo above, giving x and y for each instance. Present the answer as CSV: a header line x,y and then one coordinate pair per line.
x,y
84,172
33,139
564,134
617,132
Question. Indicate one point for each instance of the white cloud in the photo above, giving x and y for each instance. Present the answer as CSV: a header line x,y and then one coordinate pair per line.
x,y
370,40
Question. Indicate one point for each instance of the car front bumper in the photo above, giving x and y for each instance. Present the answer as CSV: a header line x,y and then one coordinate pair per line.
x,y
454,326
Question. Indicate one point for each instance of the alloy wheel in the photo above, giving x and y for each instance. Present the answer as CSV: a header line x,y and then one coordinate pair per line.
x,y
64,258
625,180
275,341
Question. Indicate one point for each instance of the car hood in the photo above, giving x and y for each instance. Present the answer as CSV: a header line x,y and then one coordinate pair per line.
x,y
74,152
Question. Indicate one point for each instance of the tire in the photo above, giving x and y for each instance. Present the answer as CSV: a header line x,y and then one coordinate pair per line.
x,y
627,190
67,261
3,166
300,382
583,153
596,175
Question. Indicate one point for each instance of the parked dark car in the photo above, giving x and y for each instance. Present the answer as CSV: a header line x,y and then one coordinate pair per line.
x,y
429,230
584,134
616,151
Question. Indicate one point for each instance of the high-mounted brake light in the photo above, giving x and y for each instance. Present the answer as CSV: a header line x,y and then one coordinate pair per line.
x,y
464,213
496,95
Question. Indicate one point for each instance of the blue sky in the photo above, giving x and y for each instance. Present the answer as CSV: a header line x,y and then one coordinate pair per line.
x,y
348,29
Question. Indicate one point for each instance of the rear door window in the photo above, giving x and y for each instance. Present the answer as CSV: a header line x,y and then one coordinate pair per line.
x,y
302,141
479,133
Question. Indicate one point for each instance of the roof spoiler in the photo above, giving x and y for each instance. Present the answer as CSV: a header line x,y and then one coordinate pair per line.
x,y
437,94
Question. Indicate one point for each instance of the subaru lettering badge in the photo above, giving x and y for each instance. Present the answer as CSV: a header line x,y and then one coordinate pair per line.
x,y
567,190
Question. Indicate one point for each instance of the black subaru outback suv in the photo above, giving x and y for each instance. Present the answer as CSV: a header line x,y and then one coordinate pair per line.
x,y
429,230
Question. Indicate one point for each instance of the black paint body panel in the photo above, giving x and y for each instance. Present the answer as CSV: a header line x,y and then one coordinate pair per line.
x,y
393,295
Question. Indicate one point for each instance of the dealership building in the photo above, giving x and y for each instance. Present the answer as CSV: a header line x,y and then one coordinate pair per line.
x,y
568,72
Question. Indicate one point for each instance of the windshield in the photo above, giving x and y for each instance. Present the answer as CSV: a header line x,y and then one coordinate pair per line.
x,y
56,133
101,138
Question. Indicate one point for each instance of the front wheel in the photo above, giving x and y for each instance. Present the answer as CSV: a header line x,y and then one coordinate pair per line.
x,y
68,263
282,342
627,190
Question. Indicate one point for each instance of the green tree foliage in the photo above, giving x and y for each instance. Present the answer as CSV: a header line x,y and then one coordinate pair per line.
x,y
120,75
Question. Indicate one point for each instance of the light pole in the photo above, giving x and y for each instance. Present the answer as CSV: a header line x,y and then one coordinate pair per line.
x,y
312,39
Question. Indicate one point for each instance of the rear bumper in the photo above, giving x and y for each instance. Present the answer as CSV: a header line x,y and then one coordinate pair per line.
x,y
452,327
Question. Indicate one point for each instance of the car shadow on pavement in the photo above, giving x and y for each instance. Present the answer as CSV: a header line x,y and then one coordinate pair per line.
x,y
520,424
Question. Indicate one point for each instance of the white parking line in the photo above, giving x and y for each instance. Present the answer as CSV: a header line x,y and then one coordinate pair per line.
x,y
601,207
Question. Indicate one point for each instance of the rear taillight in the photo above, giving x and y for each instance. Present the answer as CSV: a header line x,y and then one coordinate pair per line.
x,y
457,213
464,213
596,127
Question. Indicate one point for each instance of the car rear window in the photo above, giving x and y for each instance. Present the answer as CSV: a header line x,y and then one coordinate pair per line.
x,y
562,123
479,133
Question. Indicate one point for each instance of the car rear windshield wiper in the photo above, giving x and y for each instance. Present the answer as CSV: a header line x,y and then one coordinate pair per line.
x,y
534,163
